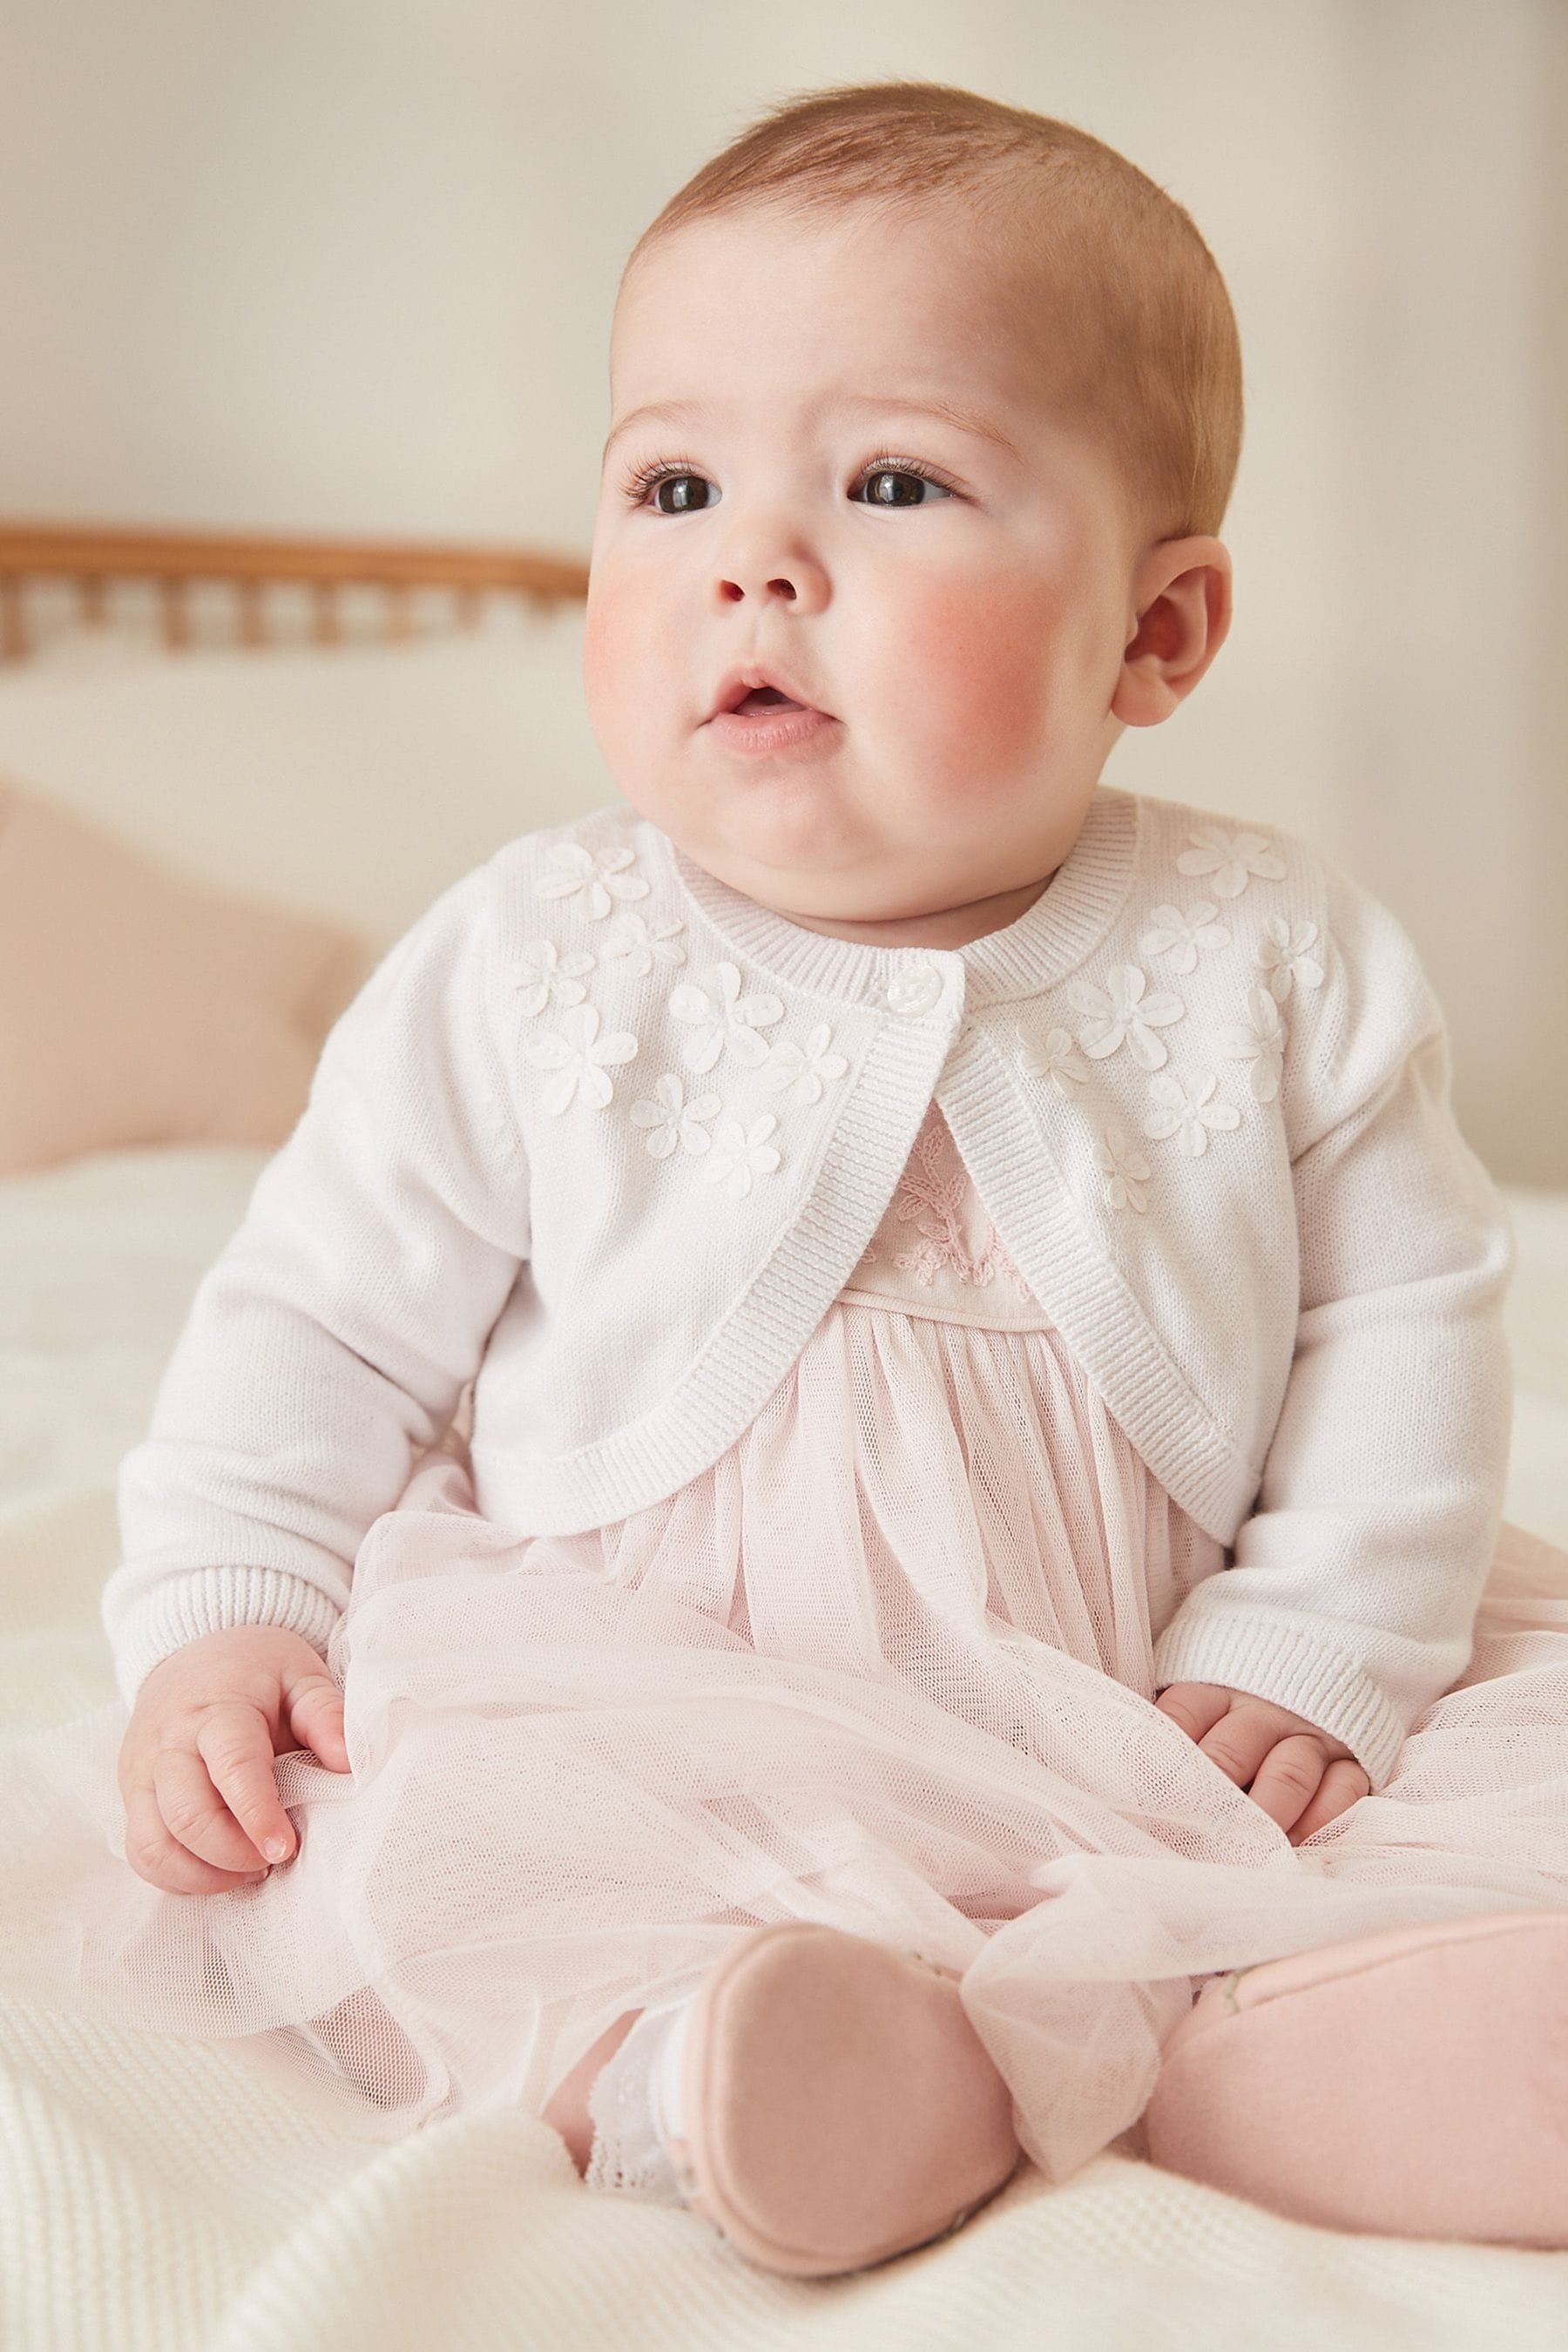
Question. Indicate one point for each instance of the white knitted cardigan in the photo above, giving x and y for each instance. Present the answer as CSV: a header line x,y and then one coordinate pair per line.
x,y
606,1136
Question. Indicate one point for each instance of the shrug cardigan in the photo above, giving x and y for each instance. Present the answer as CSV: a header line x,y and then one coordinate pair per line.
x,y
604,1138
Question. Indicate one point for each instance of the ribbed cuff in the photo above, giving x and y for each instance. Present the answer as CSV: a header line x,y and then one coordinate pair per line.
x,y
1256,1653
181,1609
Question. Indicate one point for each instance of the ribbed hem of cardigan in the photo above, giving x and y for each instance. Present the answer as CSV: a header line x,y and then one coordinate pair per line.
x,y
182,1608
1268,1658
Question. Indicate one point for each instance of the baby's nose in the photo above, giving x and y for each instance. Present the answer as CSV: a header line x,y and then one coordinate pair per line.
x,y
766,558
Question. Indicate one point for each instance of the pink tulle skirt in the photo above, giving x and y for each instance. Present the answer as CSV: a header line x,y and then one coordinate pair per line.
x,y
886,1665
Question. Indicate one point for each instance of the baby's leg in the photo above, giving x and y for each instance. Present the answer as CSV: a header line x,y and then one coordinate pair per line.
x,y
567,2108
1414,2084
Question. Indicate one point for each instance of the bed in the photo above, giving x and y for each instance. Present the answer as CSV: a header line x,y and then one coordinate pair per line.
x,y
163,2194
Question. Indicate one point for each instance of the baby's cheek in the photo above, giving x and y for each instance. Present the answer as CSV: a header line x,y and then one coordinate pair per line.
x,y
608,623
982,662
623,676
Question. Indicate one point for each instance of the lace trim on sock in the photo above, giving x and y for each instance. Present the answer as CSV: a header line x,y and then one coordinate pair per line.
x,y
629,2154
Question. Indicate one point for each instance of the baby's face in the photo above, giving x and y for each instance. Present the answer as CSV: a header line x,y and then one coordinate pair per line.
x,y
963,633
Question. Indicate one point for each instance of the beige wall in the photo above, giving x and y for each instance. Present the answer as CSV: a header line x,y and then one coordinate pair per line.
x,y
347,265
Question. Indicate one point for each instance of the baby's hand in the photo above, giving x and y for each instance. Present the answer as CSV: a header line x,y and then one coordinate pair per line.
x,y
202,1812
1299,1775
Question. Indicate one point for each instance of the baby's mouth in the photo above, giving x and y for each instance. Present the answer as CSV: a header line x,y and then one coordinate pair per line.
x,y
768,698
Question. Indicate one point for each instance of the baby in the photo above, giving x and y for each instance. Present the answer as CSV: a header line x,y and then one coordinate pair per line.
x,y
982,1336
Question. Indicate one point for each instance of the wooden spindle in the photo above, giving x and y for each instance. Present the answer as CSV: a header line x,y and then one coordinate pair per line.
x,y
12,620
176,618
252,613
326,629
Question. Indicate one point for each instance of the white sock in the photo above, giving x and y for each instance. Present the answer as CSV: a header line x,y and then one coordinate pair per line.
x,y
668,2110
634,2103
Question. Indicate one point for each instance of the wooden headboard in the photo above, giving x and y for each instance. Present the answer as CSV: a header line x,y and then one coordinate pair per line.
x,y
96,560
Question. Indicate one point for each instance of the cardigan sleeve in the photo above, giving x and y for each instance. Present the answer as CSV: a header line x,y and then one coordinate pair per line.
x,y
330,1341
1352,1595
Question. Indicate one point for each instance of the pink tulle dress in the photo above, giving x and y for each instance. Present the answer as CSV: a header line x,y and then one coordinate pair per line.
x,y
886,1664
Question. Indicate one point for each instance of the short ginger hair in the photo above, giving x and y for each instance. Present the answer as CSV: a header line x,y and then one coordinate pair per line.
x,y
1149,355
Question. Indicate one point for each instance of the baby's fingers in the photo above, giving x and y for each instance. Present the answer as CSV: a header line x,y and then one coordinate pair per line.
x,y
1289,1778
196,1815
1344,1784
235,1744
314,1705
1197,1706
159,1858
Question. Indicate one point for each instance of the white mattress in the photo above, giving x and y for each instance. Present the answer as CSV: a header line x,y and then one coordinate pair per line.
x,y
162,2195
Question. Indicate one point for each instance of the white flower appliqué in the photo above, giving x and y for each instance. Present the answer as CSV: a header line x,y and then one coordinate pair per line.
x,y
600,875
671,1120
642,941
740,1153
1185,1110
1121,1014
1125,1166
1284,953
1050,1053
578,1057
1231,857
1261,1042
726,1019
1179,935
544,976
797,1071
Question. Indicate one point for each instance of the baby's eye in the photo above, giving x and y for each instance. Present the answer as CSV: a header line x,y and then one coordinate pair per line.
x,y
883,479
643,489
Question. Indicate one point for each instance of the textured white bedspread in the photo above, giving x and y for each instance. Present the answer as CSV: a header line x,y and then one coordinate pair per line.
x,y
158,2194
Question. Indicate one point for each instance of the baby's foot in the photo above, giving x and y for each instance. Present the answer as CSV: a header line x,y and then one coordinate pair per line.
x,y
827,2105
1413,2084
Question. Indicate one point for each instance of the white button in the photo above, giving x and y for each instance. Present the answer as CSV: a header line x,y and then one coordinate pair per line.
x,y
915,989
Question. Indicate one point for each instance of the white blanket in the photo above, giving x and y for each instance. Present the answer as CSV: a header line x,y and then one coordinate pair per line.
x,y
160,2194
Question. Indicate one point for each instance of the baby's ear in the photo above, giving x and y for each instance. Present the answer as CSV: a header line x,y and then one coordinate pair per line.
x,y
1181,597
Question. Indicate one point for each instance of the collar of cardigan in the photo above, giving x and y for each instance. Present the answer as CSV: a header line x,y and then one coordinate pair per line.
x,y
1049,941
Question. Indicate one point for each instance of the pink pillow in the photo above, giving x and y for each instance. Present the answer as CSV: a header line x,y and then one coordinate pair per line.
x,y
137,1008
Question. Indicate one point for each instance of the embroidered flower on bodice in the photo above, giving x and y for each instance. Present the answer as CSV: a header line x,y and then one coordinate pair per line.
x,y
1285,953
723,1020
738,1153
1125,1168
1047,1053
671,1120
578,1057
1261,1043
1185,1110
1120,1013
797,1071
1231,857
936,1195
600,875
1179,937
640,941
544,976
